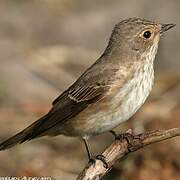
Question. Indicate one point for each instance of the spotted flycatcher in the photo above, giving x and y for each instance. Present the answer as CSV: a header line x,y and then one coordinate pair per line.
x,y
107,93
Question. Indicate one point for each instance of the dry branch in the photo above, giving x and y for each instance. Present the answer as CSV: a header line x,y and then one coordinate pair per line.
x,y
120,148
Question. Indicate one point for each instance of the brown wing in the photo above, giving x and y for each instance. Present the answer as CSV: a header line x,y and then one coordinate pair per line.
x,y
91,87
78,96
67,105
82,93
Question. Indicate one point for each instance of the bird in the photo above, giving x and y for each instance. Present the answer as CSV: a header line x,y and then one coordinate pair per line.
x,y
109,92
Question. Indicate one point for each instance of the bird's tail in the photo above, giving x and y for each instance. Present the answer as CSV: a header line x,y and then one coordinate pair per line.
x,y
21,136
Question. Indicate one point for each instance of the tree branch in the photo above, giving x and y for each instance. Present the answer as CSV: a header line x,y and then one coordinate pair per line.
x,y
122,147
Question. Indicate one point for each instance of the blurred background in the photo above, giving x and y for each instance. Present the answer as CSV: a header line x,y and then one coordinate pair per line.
x,y
44,46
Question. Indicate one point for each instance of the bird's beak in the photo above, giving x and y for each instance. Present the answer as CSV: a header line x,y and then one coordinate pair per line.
x,y
166,27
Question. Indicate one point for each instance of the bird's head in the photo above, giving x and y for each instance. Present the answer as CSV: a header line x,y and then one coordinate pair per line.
x,y
137,36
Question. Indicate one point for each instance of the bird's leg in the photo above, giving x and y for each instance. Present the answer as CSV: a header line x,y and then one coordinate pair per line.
x,y
92,158
87,149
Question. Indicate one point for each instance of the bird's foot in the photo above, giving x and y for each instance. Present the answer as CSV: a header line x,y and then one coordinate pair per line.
x,y
101,158
134,141
127,135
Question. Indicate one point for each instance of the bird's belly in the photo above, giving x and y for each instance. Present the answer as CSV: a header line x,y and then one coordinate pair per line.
x,y
109,113
122,108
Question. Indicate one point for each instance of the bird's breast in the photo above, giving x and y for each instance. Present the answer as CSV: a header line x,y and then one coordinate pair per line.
x,y
134,93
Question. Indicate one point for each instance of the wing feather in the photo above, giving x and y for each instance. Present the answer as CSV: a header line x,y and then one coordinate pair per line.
x,y
85,93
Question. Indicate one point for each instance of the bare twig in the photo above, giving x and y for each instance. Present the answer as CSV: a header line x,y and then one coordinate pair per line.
x,y
120,148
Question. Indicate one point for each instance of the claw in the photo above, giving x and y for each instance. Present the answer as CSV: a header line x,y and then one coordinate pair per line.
x,y
117,136
92,160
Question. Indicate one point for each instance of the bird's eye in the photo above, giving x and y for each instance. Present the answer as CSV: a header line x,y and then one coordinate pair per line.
x,y
147,34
